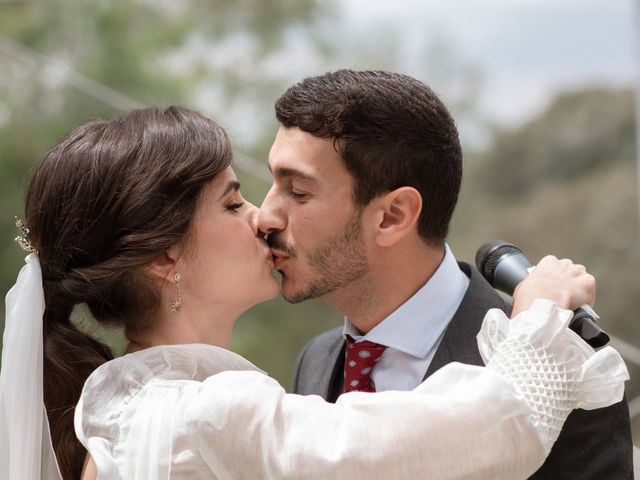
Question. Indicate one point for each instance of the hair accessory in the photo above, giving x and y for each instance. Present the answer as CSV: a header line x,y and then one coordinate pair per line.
x,y
177,305
24,240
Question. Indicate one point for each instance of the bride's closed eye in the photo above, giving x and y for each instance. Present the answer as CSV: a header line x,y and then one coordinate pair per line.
x,y
234,207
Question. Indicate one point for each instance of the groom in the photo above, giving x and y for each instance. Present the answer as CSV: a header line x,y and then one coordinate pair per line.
x,y
366,173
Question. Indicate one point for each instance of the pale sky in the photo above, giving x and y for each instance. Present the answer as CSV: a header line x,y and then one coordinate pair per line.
x,y
526,50
520,54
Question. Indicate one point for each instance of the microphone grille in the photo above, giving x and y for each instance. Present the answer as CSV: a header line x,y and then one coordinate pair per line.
x,y
489,255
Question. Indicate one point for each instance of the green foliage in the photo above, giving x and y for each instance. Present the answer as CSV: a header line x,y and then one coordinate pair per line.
x,y
578,133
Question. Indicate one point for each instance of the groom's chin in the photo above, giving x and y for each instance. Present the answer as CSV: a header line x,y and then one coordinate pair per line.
x,y
292,294
294,298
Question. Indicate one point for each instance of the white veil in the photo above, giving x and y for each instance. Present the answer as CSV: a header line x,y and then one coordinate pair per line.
x,y
26,452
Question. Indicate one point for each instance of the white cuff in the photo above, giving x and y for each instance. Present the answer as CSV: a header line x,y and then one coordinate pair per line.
x,y
549,365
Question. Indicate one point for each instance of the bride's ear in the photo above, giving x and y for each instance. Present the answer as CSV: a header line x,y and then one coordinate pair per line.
x,y
164,265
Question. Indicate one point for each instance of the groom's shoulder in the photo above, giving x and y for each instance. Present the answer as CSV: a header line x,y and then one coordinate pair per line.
x,y
313,359
322,345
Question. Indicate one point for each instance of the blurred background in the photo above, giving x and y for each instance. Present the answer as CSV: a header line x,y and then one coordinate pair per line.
x,y
542,92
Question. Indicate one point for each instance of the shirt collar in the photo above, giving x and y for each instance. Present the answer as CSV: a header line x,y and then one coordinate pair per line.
x,y
418,323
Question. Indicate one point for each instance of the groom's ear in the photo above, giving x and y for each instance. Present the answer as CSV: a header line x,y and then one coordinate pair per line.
x,y
164,265
397,215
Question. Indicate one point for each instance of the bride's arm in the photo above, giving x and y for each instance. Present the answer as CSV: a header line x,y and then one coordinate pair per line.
x,y
463,420
497,422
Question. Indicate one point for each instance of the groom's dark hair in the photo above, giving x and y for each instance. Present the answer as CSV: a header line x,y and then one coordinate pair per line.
x,y
390,130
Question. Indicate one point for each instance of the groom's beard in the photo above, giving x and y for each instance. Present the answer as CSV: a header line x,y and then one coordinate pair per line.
x,y
340,261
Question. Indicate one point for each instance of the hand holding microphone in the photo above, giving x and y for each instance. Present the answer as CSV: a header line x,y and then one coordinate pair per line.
x,y
505,267
579,287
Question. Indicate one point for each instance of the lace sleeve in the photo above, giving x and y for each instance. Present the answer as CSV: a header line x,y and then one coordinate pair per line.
x,y
550,366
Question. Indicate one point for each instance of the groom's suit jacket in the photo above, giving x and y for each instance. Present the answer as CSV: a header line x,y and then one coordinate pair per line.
x,y
593,445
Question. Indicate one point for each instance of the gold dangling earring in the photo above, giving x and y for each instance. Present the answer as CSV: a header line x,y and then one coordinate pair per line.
x,y
177,305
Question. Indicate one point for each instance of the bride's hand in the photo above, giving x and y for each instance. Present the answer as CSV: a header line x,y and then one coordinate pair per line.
x,y
567,284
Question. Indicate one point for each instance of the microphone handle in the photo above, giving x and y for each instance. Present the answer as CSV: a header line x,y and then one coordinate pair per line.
x,y
515,268
584,324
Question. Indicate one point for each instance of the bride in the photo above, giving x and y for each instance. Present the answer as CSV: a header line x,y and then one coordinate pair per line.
x,y
141,219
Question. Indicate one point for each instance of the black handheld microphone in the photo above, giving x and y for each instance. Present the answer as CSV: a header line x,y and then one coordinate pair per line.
x,y
504,266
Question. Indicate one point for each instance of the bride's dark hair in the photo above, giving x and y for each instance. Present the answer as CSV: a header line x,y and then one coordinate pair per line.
x,y
105,200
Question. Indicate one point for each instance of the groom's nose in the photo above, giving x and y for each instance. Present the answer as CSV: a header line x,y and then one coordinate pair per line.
x,y
272,217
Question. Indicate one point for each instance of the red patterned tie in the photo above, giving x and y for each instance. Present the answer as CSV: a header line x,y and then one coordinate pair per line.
x,y
360,358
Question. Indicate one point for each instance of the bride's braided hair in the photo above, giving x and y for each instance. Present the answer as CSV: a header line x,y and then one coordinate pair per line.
x,y
106,200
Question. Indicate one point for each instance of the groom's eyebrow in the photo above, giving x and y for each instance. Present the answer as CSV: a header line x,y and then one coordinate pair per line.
x,y
287,172
232,185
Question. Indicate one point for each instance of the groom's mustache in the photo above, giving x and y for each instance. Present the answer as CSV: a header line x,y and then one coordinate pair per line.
x,y
276,244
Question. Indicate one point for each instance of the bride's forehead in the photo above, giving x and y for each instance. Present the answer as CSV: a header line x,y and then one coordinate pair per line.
x,y
222,183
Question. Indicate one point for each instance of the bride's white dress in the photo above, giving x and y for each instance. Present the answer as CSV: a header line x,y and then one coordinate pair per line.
x,y
203,412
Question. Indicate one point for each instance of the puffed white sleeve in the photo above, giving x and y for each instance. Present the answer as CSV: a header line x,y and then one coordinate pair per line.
x,y
463,422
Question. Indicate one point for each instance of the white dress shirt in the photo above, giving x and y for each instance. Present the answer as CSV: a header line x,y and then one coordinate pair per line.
x,y
413,332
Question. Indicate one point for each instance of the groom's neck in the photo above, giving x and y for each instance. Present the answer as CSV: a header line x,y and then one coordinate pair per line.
x,y
393,278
